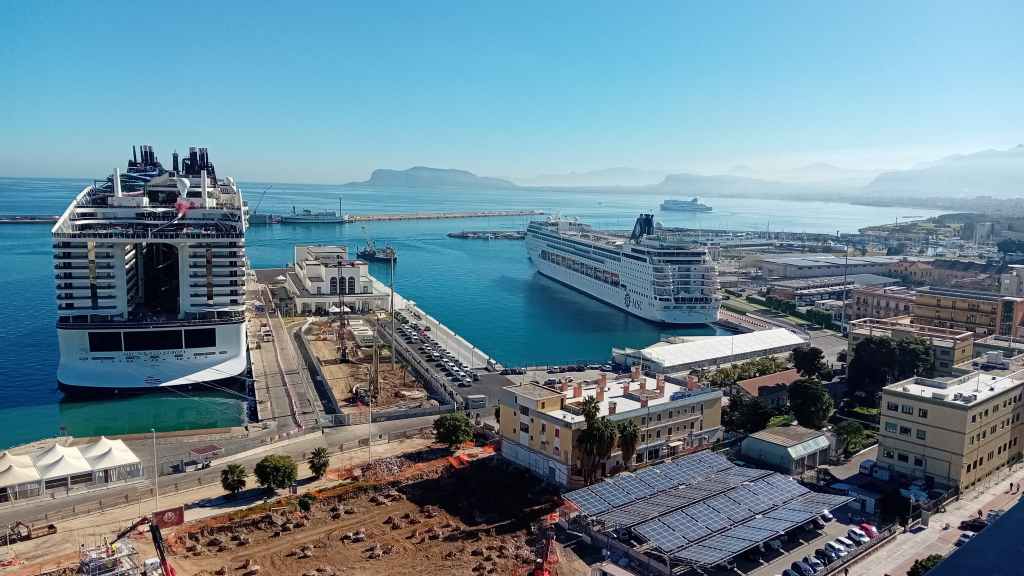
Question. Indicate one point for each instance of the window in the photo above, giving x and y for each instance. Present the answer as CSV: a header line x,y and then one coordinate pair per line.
x,y
524,410
524,427
904,430
921,434
890,427
907,409
892,406
974,418
902,457
887,453
922,412
918,461
543,428
556,431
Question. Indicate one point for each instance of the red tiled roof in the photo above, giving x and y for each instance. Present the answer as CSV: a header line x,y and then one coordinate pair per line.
x,y
753,386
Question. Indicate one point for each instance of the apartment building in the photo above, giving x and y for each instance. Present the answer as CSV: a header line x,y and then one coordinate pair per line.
x,y
949,347
984,313
881,302
539,425
956,431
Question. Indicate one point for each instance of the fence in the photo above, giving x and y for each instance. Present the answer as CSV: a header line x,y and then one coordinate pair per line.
x,y
323,388
884,537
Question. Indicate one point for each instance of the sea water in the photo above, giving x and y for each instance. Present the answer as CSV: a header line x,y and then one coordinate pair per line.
x,y
487,291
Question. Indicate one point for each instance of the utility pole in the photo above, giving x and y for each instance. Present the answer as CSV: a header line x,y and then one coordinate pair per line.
x,y
392,313
156,474
343,354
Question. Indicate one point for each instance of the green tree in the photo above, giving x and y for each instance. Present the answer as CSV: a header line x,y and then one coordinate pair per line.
x,y
921,566
878,361
233,478
746,415
453,429
319,460
276,471
810,402
306,502
850,436
914,358
595,442
809,361
629,438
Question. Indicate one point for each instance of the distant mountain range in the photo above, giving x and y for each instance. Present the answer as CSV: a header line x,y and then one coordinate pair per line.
x,y
425,177
953,182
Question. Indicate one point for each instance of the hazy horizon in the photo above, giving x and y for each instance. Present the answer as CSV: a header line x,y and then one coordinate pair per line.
x,y
328,93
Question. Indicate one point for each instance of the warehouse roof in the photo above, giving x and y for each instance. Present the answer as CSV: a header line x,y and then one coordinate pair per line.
x,y
720,347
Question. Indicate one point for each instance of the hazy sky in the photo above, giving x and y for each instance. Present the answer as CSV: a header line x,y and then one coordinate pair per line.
x,y
327,91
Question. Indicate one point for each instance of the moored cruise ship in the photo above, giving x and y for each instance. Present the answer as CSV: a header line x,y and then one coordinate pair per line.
x,y
654,274
150,274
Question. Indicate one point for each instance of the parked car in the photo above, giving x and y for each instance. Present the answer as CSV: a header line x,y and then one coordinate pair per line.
x,y
869,529
973,525
825,555
817,523
814,563
964,538
827,516
857,535
788,572
837,549
802,568
774,545
846,542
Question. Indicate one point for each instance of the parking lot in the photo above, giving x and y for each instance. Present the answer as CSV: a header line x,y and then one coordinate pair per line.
x,y
797,545
446,363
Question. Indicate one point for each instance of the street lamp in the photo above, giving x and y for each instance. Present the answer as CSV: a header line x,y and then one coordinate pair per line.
x,y
156,473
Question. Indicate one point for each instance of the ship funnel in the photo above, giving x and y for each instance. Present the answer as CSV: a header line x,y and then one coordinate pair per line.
x,y
117,182
202,185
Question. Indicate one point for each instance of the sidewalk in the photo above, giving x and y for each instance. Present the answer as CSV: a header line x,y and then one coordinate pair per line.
x,y
896,557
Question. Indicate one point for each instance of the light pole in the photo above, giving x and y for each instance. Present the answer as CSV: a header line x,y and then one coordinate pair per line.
x,y
156,474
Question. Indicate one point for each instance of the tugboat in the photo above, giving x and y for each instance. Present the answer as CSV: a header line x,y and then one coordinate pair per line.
x,y
371,253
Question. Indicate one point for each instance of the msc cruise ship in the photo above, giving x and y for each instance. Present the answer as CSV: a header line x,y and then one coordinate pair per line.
x,y
150,274
653,274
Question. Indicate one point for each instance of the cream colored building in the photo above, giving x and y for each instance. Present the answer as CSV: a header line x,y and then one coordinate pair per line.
x,y
323,277
957,431
539,424
949,347
984,313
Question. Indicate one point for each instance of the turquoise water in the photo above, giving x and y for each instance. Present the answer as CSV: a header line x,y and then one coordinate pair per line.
x,y
484,290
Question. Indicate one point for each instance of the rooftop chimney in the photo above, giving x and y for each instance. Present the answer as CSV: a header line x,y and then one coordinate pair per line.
x,y
643,385
660,382
563,386
577,390
635,374
600,392
603,379
643,401
611,407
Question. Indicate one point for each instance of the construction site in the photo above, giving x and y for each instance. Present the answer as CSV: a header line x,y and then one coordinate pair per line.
x,y
348,364
428,512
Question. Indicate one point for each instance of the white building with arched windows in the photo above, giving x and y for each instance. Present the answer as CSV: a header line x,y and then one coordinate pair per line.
x,y
323,278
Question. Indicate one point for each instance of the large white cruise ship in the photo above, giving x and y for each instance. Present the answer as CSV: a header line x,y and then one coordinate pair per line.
x,y
150,271
656,275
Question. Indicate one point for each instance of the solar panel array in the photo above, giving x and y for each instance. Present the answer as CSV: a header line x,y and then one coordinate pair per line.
x,y
701,509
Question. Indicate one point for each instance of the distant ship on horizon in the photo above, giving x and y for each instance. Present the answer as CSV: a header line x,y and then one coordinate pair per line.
x,y
307,216
692,205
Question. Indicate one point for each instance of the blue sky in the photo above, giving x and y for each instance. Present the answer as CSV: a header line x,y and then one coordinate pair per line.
x,y
328,91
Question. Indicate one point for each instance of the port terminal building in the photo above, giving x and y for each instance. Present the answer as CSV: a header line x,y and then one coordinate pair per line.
x,y
322,280
709,352
60,469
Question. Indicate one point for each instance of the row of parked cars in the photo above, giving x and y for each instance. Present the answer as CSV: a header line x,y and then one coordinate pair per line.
x,y
832,551
453,369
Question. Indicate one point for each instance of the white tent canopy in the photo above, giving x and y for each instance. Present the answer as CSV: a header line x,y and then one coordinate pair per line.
x,y
56,453
8,459
105,445
11,475
112,458
65,465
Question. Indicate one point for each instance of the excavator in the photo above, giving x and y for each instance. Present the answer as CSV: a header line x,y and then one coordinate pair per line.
x,y
158,542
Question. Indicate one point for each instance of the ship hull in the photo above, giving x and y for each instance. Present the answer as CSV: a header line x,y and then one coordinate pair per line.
x,y
219,358
616,296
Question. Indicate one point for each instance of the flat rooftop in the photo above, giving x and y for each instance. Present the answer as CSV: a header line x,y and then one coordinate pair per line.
x,y
966,294
832,260
886,326
830,281
787,436
717,347
967,390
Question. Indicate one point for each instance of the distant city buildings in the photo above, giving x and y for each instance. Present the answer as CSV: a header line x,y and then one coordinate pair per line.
x,y
805,291
984,313
949,347
539,424
881,302
816,265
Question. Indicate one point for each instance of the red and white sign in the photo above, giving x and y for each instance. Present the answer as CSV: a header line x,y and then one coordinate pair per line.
x,y
169,517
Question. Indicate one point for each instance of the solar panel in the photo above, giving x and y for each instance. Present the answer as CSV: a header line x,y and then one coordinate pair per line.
x,y
729,508
795,516
767,492
772,524
685,525
750,534
748,499
727,543
632,485
655,479
707,517
611,494
588,502
701,555
660,535
786,486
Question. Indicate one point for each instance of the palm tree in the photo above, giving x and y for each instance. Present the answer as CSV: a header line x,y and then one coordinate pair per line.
x,y
318,462
629,437
233,478
591,408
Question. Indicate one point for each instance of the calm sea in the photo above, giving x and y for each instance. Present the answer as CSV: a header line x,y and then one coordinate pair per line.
x,y
484,290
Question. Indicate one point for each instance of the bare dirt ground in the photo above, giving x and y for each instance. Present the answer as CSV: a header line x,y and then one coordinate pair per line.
x,y
422,514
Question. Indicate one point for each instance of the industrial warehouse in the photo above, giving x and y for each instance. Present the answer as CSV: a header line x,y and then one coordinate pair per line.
x,y
696,512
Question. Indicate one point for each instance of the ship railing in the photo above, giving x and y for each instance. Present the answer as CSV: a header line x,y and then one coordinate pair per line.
x,y
150,236
67,323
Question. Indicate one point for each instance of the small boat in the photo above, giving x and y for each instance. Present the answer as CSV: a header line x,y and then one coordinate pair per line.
x,y
371,253
685,206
